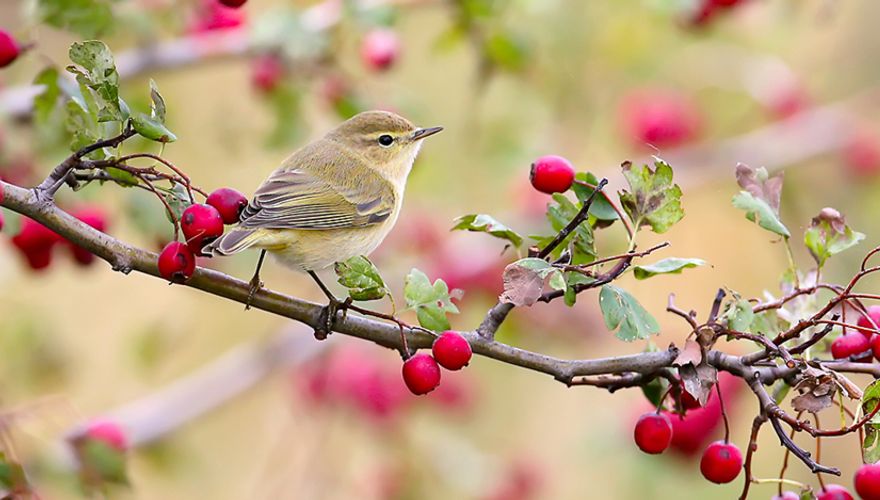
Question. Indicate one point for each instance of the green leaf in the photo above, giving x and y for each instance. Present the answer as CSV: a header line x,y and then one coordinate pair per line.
x,y
487,224
125,179
87,18
653,200
621,310
580,241
573,279
759,211
601,207
525,280
871,444
828,235
430,301
157,103
12,475
82,126
106,461
45,101
96,70
177,198
361,278
507,50
672,265
151,129
739,315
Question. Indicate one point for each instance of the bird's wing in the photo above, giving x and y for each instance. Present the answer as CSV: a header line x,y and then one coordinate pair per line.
x,y
293,198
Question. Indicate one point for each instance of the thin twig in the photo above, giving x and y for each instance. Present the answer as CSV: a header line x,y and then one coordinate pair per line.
x,y
576,221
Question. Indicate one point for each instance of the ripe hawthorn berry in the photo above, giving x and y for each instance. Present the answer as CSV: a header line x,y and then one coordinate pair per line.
x,y
551,174
849,344
867,481
721,462
35,242
421,374
200,224
177,262
109,433
95,217
228,202
653,433
452,351
234,4
9,49
380,48
834,492
865,324
266,73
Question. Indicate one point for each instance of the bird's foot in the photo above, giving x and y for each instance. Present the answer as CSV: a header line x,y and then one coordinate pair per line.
x,y
329,315
255,285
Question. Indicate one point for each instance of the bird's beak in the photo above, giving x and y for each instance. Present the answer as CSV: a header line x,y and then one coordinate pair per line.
x,y
425,132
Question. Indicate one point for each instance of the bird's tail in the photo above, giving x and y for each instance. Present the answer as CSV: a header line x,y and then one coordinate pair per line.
x,y
234,241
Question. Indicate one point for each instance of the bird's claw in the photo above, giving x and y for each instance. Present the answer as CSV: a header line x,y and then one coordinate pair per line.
x,y
328,317
255,286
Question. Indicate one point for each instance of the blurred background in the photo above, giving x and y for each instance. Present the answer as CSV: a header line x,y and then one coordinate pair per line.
x,y
782,84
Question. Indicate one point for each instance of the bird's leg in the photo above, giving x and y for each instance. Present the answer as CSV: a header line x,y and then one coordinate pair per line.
x,y
329,312
255,283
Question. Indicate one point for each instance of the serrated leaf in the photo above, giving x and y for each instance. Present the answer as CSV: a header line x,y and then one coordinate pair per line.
x,y
698,380
361,278
622,312
828,235
45,101
759,211
88,18
739,315
672,265
871,444
177,199
96,70
581,241
653,199
82,126
430,301
525,280
151,129
487,224
601,207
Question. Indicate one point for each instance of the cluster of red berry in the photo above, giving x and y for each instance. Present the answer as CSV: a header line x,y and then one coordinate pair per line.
x,y
708,10
201,223
35,241
421,372
861,345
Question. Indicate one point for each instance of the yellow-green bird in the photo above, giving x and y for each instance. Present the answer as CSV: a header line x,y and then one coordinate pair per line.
x,y
333,199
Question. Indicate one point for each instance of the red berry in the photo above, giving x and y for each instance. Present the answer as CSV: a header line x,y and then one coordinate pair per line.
x,y
849,344
266,73
214,16
228,202
35,242
109,433
452,351
787,495
421,374
233,3
39,258
200,225
653,433
867,327
867,482
726,3
9,49
379,49
176,262
551,174
721,462
95,217
2,219
659,118
862,154
834,492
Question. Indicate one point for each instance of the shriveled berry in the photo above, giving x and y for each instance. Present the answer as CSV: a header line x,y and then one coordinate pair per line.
x,y
176,262
653,433
233,3
834,492
109,433
849,344
229,203
551,174
452,351
379,49
9,49
200,224
721,462
421,374
867,482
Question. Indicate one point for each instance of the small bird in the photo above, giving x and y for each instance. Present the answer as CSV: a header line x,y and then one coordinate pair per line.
x,y
333,199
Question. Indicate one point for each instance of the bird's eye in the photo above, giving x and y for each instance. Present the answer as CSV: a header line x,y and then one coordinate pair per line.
x,y
386,140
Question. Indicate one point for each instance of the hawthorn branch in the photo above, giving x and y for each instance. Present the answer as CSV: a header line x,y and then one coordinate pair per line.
x,y
573,224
